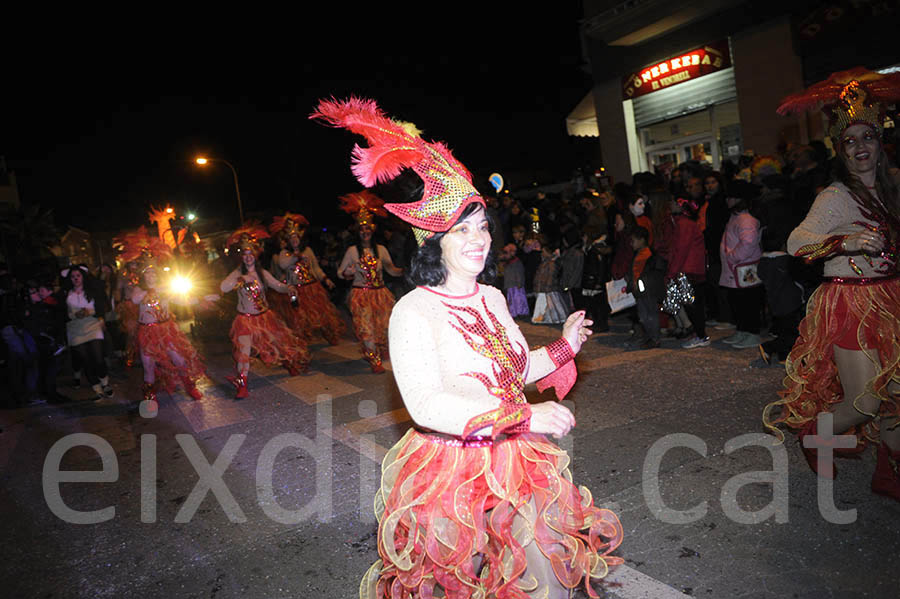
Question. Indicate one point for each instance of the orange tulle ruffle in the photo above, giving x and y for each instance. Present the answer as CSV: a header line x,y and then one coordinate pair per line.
x,y
371,310
315,314
158,342
271,340
849,316
127,311
439,505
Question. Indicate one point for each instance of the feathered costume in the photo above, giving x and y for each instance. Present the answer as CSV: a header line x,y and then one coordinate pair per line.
x,y
446,499
269,337
159,341
313,313
370,302
858,305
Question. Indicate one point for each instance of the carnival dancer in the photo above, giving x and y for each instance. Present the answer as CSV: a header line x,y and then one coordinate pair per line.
x,y
256,329
474,500
370,301
846,360
166,354
310,312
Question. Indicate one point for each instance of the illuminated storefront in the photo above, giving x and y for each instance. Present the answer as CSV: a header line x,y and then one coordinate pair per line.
x,y
682,108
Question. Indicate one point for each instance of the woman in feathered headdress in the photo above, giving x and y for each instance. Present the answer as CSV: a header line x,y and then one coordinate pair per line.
x,y
474,496
370,301
166,354
256,329
846,360
310,312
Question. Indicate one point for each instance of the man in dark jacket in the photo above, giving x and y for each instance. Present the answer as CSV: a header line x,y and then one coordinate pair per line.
x,y
45,322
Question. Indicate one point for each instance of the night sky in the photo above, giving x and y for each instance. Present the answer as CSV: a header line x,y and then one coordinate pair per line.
x,y
104,127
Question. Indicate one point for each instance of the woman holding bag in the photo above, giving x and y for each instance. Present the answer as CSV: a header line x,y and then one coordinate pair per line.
x,y
739,252
84,330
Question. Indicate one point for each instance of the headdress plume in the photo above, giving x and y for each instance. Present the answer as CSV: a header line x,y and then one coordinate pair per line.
x,y
394,146
855,96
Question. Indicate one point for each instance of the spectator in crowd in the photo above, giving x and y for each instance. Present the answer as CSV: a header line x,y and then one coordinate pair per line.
x,y
646,284
593,282
86,303
687,254
717,213
572,263
45,321
808,178
550,305
513,281
739,253
21,350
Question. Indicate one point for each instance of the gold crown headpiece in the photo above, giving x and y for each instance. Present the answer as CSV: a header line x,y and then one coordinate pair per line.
x,y
852,97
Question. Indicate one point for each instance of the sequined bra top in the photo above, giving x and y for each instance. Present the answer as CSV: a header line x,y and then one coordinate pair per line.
x,y
368,263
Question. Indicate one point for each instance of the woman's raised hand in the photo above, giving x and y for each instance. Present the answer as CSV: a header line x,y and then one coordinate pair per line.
x,y
551,418
576,330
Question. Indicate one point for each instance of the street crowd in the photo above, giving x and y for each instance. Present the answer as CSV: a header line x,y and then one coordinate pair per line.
x,y
555,253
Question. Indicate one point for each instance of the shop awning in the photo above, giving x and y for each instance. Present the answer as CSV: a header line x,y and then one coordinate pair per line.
x,y
582,121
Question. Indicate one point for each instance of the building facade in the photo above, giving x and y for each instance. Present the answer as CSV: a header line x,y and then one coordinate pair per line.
x,y
701,80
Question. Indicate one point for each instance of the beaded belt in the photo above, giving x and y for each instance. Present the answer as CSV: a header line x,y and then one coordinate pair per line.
x,y
457,441
257,314
368,287
150,324
860,280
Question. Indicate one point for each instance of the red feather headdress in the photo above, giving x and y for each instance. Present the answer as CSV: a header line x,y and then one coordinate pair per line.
x,y
141,247
394,146
248,237
855,96
288,224
364,206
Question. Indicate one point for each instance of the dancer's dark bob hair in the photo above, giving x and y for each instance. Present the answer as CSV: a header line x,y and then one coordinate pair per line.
x,y
426,267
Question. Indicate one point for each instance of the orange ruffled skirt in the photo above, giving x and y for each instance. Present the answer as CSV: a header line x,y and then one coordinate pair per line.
x,y
270,340
439,505
314,314
864,317
371,311
156,341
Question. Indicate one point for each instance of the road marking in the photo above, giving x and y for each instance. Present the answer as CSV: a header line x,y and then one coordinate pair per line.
x,y
316,387
215,410
350,351
628,583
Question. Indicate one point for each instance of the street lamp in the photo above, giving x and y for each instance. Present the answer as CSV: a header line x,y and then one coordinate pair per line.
x,y
202,161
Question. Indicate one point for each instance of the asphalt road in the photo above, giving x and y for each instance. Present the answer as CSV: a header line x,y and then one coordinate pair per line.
x,y
272,496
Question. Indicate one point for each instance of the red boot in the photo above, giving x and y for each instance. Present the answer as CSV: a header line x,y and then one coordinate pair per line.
x,y
374,360
811,453
191,389
291,368
886,480
148,390
240,383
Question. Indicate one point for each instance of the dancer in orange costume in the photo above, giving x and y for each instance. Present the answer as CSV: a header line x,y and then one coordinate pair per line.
x,y
256,329
370,301
310,312
846,360
475,501
166,354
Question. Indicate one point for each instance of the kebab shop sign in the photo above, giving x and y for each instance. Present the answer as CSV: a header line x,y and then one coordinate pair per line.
x,y
678,69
